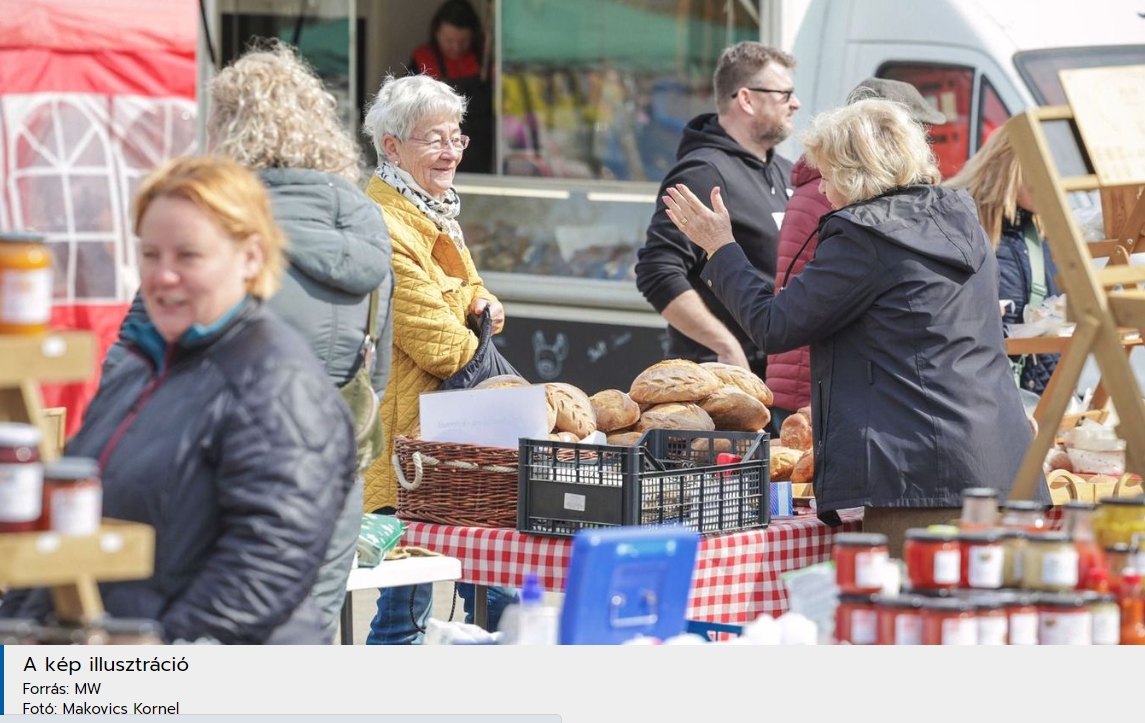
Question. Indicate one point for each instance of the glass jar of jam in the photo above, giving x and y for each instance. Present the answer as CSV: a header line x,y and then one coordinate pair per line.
x,y
856,622
21,477
860,560
949,621
73,496
1013,548
899,620
1049,562
1077,522
933,559
979,508
25,283
1118,519
983,559
1025,515
991,617
1021,617
1064,619
1106,614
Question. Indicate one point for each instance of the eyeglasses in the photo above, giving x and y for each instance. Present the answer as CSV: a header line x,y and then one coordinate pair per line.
x,y
437,145
785,95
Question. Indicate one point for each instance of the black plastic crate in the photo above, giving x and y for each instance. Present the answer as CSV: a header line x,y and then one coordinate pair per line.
x,y
670,477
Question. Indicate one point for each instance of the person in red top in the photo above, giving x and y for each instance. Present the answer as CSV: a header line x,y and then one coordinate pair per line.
x,y
789,373
455,55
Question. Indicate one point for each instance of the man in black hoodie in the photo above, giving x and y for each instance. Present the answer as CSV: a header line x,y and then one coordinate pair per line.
x,y
732,149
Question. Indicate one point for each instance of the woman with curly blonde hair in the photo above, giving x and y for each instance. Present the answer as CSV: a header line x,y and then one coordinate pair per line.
x,y
911,395
271,113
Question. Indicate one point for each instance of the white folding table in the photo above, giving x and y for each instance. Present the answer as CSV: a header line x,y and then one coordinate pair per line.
x,y
395,573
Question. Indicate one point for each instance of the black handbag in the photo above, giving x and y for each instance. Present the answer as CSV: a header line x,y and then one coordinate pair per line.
x,y
487,362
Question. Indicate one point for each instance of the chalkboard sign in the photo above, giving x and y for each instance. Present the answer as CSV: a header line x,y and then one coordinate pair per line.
x,y
589,355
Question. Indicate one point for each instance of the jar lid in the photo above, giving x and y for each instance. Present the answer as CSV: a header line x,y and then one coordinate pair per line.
x,y
986,492
67,469
1007,532
1062,600
986,599
980,535
1025,506
1080,505
21,237
1122,548
949,604
1050,536
923,533
863,539
1093,596
1017,597
903,602
858,598
1138,501
14,434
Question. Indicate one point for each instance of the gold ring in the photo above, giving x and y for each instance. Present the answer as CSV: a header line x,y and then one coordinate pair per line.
x,y
683,221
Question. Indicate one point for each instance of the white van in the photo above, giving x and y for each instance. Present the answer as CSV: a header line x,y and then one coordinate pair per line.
x,y
978,61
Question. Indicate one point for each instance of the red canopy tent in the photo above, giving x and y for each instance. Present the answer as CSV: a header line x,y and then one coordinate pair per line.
x,y
93,94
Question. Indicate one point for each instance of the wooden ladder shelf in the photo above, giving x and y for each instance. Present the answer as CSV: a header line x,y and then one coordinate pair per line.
x,y
1106,105
70,565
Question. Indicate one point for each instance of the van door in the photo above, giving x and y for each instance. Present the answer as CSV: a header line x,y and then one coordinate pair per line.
x,y
968,86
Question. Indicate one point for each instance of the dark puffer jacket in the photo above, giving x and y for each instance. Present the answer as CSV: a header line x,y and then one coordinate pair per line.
x,y
236,448
912,397
789,372
1015,284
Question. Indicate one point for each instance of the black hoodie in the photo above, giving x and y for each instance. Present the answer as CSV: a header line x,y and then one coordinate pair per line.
x,y
755,192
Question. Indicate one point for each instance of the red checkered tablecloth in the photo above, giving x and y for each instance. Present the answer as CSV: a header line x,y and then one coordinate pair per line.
x,y
737,575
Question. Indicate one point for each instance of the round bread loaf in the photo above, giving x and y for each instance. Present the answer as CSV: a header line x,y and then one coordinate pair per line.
x,y
673,380
675,415
795,432
614,410
782,462
804,469
717,445
745,379
503,380
734,410
564,437
574,411
624,439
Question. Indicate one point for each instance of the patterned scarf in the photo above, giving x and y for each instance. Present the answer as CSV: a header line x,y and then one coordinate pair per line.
x,y
442,212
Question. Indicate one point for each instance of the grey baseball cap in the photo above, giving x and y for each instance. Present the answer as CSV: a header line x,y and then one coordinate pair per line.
x,y
899,92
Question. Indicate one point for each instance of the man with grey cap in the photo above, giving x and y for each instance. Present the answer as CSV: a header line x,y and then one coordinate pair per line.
x,y
789,373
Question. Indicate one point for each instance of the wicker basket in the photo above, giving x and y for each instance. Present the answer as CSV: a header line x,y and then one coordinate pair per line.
x,y
456,484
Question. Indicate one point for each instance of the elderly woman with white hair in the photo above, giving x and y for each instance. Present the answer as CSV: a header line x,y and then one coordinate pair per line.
x,y
415,125
912,400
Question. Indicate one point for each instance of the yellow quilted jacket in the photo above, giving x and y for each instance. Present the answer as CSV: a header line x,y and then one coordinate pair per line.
x,y
434,286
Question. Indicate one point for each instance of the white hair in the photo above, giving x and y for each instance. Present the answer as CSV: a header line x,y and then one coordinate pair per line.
x,y
404,102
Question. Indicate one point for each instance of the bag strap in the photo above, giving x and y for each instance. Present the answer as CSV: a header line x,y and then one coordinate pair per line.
x,y
369,341
1038,287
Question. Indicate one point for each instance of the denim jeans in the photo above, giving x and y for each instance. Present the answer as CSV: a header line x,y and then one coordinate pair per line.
x,y
394,624
497,599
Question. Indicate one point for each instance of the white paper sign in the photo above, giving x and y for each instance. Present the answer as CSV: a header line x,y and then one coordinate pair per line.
x,y
488,417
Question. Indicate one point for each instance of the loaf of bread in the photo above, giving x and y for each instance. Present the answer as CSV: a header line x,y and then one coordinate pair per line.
x,y
574,411
734,410
805,468
745,379
804,411
624,439
502,380
782,462
614,410
795,432
719,444
674,380
564,437
675,415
